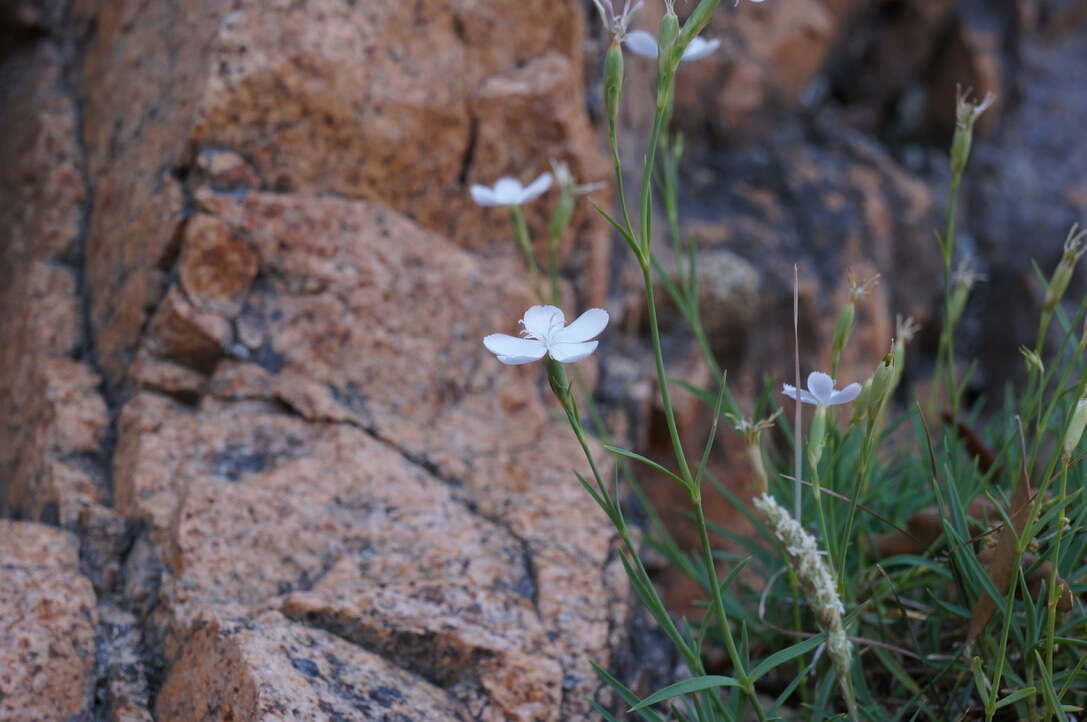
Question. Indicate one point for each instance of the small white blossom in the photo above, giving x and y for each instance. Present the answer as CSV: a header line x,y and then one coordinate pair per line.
x,y
640,42
617,22
821,391
967,111
544,332
509,191
565,180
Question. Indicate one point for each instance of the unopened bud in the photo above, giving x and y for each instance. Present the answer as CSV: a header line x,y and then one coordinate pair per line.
x,y
1033,361
883,382
564,210
613,81
667,37
751,432
1076,425
905,330
1062,276
965,278
966,114
844,328
669,52
860,404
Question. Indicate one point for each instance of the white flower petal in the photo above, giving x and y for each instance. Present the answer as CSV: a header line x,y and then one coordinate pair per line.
x,y
539,320
640,42
536,188
821,386
512,350
845,395
700,48
805,396
568,353
508,191
587,326
483,195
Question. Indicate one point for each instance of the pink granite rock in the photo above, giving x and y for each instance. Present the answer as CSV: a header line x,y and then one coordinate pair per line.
x,y
47,649
270,669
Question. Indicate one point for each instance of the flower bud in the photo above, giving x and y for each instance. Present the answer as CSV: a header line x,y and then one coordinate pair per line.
x,y
564,210
843,328
860,405
905,330
669,52
751,432
667,37
1062,276
966,114
883,383
965,278
1034,361
613,81
1076,425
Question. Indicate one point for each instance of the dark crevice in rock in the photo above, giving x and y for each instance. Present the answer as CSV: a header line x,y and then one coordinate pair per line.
x,y
529,587
419,654
469,151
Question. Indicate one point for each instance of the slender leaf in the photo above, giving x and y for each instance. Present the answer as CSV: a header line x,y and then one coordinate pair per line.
x,y
784,655
648,462
687,686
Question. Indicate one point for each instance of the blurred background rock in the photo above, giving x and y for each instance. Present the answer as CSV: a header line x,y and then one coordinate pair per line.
x,y
242,289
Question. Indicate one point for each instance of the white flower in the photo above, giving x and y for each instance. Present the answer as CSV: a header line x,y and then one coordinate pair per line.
x,y
509,191
642,43
565,180
617,22
821,391
544,332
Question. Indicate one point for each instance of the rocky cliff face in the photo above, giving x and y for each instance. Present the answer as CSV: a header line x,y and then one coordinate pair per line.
x,y
263,467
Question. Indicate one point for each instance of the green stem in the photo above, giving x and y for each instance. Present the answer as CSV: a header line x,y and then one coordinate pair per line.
x,y
553,267
647,176
524,242
719,607
662,381
696,496
1051,621
947,334
613,142
862,472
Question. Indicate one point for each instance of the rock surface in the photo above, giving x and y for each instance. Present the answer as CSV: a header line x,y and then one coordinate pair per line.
x,y
243,287
47,642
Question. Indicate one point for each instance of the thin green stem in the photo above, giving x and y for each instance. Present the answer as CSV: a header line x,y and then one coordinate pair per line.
x,y
1054,595
647,178
662,380
862,472
553,267
719,607
524,242
617,161
946,357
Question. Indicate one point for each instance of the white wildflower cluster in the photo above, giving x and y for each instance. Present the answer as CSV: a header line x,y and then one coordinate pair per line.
x,y
815,576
